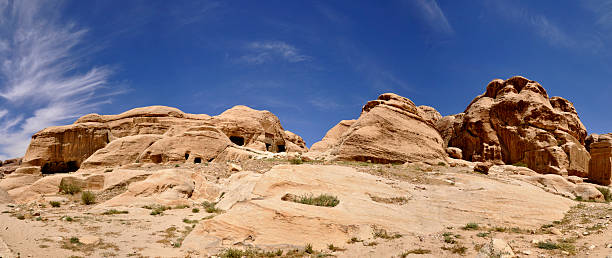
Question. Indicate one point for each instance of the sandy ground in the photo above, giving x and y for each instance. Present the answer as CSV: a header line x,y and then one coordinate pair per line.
x,y
45,231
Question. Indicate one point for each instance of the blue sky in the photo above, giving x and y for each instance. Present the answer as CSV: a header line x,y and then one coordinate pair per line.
x,y
312,63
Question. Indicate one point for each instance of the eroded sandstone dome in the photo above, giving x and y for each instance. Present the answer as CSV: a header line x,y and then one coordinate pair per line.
x,y
515,121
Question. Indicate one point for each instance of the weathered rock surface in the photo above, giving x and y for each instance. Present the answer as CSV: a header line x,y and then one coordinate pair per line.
x,y
332,137
515,121
600,165
64,148
430,114
496,248
121,151
559,185
256,214
167,187
389,130
246,126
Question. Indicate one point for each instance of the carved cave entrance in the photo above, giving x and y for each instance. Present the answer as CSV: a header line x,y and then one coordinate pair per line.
x,y
59,167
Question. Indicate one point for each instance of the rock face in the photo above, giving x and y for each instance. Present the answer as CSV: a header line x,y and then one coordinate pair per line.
x,y
600,166
390,129
515,121
332,137
156,134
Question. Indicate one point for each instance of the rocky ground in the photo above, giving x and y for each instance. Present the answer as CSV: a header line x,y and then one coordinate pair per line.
x,y
406,210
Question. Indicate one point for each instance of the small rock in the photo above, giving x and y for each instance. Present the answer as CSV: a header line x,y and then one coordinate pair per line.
x,y
555,231
454,152
575,179
609,246
235,167
585,233
564,252
592,247
483,167
496,248
89,240
526,252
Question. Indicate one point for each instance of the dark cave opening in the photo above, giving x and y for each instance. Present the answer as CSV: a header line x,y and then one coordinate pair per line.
x,y
237,140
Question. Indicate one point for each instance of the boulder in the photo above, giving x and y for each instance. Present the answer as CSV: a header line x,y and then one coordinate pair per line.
x,y
389,130
483,167
515,121
31,170
454,153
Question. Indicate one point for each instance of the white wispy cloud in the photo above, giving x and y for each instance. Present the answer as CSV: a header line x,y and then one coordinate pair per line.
x,y
42,82
433,16
554,33
266,51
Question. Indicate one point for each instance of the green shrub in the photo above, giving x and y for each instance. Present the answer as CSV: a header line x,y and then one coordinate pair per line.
x,y
188,221
210,207
547,245
88,198
195,210
382,233
69,188
483,234
308,249
20,217
441,164
159,210
54,204
68,218
324,200
520,164
471,226
74,240
415,251
334,248
182,206
606,193
114,211
296,161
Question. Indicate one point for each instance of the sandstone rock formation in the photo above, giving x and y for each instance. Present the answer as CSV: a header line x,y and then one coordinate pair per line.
x,y
390,129
430,114
600,166
9,166
515,121
332,137
156,134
